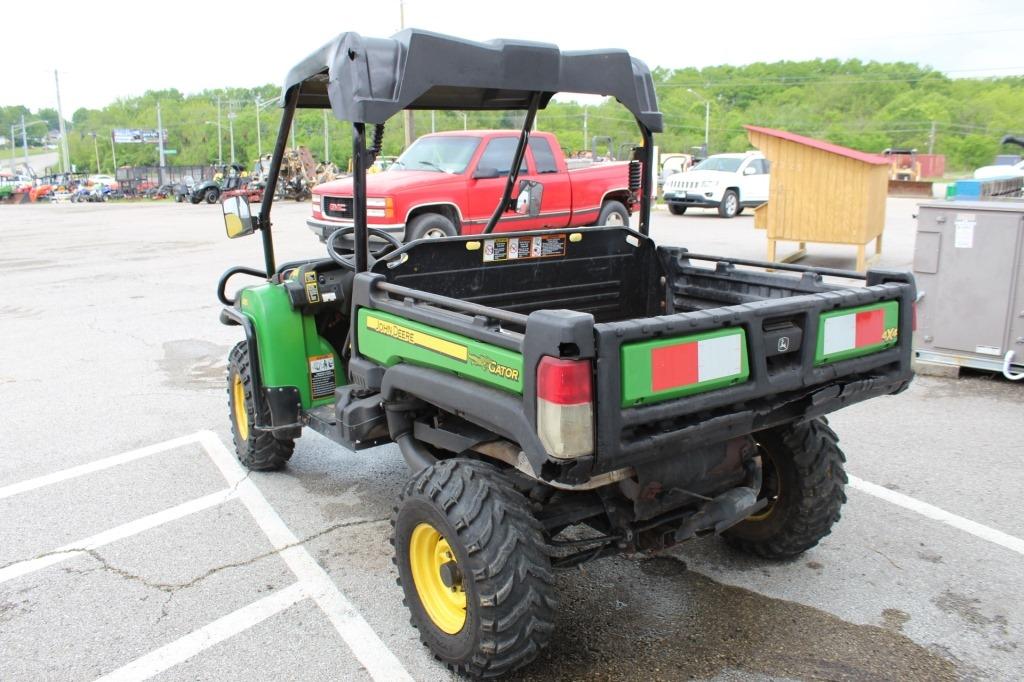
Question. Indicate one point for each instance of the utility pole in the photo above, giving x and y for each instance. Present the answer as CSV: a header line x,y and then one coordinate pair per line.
x,y
259,133
586,140
433,121
12,149
24,142
220,137
113,153
409,124
160,141
931,140
231,133
707,117
327,145
465,121
96,150
65,157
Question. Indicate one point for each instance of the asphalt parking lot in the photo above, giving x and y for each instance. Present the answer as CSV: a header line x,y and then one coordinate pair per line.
x,y
133,546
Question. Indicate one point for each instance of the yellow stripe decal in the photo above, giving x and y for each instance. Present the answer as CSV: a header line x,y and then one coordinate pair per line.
x,y
417,338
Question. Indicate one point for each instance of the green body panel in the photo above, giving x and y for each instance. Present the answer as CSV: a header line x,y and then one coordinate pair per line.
x,y
286,340
390,339
635,359
892,322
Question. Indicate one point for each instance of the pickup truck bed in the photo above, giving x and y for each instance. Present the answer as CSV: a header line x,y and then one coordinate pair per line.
x,y
623,303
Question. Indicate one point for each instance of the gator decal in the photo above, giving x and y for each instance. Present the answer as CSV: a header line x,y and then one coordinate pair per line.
x,y
658,370
390,339
853,332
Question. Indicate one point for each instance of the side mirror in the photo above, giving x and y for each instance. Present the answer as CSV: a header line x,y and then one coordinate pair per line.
x,y
485,173
238,220
749,170
530,194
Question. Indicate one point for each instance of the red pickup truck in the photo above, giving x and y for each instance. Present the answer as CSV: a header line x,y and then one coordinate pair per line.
x,y
449,183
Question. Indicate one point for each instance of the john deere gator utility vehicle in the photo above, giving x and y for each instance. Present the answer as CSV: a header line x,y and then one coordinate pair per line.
x,y
558,395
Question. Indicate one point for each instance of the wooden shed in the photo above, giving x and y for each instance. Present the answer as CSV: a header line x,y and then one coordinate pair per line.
x,y
820,192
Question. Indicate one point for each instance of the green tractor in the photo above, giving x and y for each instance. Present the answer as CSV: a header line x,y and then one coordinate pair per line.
x,y
559,395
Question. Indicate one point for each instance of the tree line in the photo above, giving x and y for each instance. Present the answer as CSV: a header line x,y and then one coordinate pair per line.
x,y
865,105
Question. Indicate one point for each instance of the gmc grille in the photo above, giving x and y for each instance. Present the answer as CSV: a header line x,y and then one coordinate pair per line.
x,y
338,207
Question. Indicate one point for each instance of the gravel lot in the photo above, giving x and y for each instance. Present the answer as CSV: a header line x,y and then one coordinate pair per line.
x,y
176,565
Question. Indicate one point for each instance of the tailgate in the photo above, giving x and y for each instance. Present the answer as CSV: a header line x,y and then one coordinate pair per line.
x,y
682,380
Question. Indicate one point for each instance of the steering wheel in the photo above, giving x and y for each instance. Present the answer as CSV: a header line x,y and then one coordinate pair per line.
x,y
348,260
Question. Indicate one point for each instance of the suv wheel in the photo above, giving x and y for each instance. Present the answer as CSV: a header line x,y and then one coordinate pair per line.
x,y
676,209
474,566
803,479
730,206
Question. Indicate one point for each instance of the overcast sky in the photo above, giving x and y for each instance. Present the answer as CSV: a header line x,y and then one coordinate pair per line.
x,y
113,49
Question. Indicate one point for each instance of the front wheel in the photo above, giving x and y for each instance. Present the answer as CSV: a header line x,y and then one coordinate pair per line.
x,y
730,206
211,195
256,450
429,226
802,479
613,214
473,564
676,209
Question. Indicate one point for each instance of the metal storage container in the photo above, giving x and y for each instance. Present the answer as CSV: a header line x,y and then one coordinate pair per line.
x,y
969,265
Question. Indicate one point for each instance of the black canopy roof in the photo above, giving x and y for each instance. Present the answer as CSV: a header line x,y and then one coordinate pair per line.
x,y
368,80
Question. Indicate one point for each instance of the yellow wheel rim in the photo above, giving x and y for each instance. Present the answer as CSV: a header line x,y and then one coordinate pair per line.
x,y
437,578
238,402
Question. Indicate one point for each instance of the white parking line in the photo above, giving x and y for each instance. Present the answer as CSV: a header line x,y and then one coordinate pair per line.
x,y
126,530
98,465
976,529
205,637
372,653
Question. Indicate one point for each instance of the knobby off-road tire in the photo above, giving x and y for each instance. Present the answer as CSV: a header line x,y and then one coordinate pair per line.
x,y
803,479
256,450
497,550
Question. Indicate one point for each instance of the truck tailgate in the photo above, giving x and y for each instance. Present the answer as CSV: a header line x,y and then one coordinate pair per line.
x,y
700,376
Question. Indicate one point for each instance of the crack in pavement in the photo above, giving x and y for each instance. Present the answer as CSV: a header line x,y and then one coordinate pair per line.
x,y
171,588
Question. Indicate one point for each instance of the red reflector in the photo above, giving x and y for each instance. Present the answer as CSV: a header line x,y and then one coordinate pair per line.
x,y
564,382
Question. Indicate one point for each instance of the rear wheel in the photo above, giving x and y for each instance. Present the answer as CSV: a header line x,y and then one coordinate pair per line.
x,y
613,214
474,567
730,206
429,226
211,195
803,479
257,450
675,209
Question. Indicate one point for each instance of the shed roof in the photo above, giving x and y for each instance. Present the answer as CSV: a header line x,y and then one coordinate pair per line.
x,y
864,157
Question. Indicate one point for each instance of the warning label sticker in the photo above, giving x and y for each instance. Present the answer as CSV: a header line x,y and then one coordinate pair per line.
x,y
321,376
523,248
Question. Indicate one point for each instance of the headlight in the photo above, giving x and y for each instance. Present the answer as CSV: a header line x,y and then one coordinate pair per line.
x,y
318,203
380,207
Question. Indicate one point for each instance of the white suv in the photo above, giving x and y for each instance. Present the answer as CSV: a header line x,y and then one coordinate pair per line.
x,y
728,182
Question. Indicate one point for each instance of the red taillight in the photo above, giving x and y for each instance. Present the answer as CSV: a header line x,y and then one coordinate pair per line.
x,y
565,411
565,382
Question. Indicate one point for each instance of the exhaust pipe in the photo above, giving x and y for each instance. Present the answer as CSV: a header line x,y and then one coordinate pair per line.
x,y
416,456
729,508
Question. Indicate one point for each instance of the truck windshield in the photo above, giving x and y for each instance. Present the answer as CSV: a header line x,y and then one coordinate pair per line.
x,y
719,163
439,154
